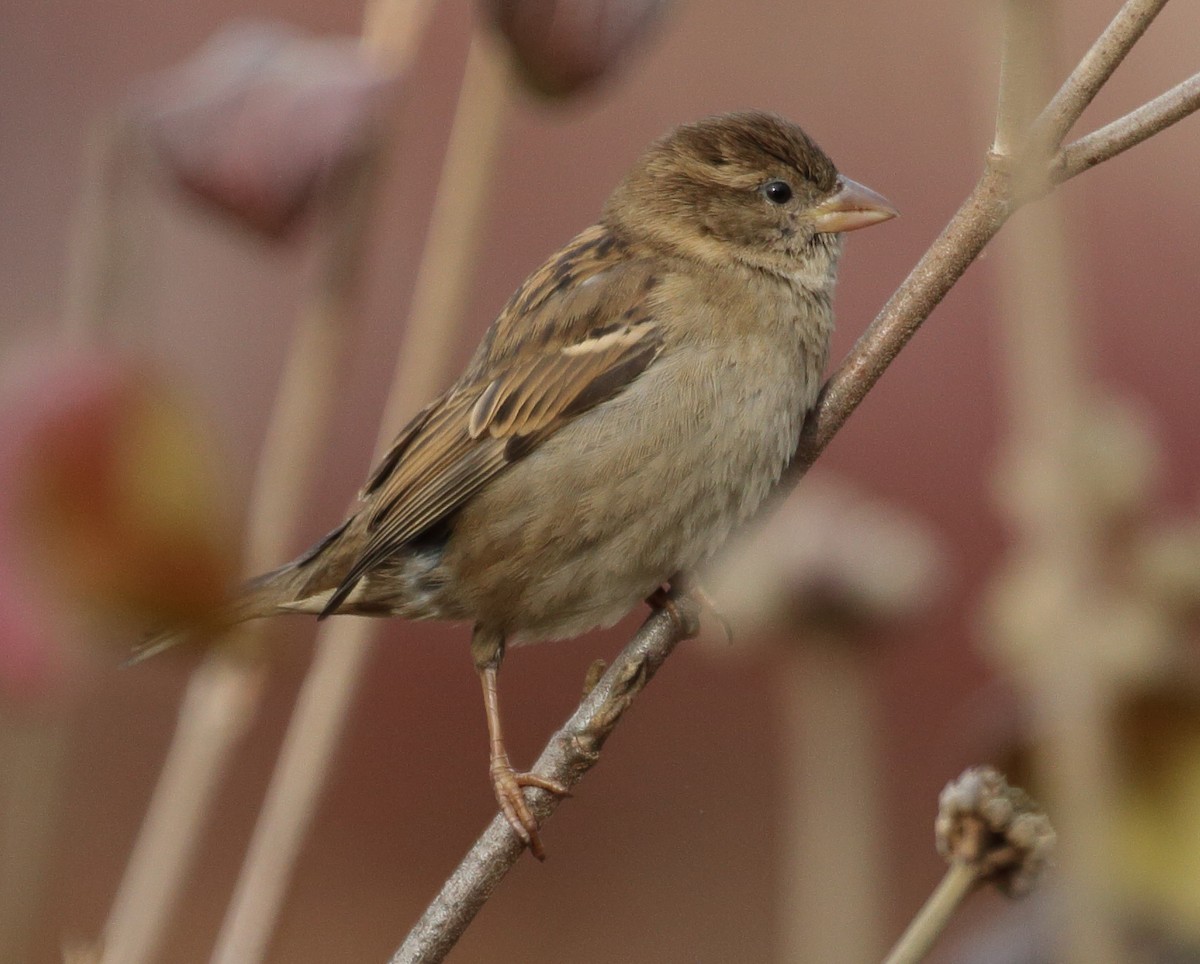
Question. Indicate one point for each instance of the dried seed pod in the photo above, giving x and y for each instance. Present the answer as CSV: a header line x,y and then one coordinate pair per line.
x,y
261,121
562,46
995,829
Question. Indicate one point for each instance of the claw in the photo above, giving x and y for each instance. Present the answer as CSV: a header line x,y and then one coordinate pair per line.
x,y
507,784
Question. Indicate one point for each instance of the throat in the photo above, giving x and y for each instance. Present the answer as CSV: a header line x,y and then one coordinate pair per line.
x,y
814,270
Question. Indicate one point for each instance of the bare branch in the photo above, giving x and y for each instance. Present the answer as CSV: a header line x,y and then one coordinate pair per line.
x,y
573,749
571,752
1092,72
1128,131
972,227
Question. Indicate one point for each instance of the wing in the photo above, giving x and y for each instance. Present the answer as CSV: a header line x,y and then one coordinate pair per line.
x,y
574,335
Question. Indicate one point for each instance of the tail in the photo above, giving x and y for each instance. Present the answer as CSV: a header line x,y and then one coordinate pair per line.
x,y
265,595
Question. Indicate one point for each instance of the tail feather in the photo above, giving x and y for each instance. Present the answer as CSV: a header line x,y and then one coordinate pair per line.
x,y
264,595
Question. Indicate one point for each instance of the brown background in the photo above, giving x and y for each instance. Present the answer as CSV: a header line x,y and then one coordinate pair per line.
x,y
666,853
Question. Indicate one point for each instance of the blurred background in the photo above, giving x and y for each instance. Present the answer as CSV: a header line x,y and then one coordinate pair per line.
x,y
772,799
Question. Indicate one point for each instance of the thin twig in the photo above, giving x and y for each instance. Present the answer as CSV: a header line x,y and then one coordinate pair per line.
x,y
571,752
1128,131
1091,73
343,646
924,930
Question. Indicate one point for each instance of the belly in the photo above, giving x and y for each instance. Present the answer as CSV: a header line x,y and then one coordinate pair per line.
x,y
627,495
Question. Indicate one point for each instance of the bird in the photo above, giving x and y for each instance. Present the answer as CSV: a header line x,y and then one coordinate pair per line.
x,y
633,403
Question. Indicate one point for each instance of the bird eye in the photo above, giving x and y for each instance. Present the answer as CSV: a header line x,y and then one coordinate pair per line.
x,y
778,192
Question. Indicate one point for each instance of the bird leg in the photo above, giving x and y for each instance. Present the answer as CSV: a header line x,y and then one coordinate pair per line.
x,y
507,782
664,598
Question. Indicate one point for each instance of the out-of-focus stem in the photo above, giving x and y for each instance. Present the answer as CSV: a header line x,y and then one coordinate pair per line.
x,y
316,724
1059,535
1018,101
343,645
924,930
217,708
1065,685
222,694
392,29
442,287
831,909
106,248
33,755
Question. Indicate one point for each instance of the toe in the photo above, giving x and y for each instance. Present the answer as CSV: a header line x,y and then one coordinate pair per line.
x,y
542,783
515,808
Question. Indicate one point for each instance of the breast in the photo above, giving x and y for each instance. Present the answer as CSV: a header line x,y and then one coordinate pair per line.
x,y
646,484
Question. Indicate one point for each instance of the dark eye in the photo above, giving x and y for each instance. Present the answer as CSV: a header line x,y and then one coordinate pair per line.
x,y
778,192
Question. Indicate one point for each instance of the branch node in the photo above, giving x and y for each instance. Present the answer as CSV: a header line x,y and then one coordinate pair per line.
x,y
592,677
584,745
1001,163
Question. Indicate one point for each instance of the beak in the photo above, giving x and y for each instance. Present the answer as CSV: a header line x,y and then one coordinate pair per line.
x,y
852,207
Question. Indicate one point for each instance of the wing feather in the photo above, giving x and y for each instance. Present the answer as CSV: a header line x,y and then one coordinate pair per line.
x,y
560,347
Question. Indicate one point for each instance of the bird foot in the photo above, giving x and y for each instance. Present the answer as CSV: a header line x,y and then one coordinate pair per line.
x,y
507,784
686,623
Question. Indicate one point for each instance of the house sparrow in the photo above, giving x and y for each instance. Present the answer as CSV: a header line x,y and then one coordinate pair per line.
x,y
635,401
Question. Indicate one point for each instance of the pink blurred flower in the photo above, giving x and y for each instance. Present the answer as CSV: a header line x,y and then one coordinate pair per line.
x,y
111,520
31,659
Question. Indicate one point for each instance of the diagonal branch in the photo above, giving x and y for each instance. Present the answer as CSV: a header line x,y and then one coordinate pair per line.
x,y
1128,131
1092,72
573,750
975,223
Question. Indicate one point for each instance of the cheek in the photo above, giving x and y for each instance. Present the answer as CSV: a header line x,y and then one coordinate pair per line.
x,y
729,223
